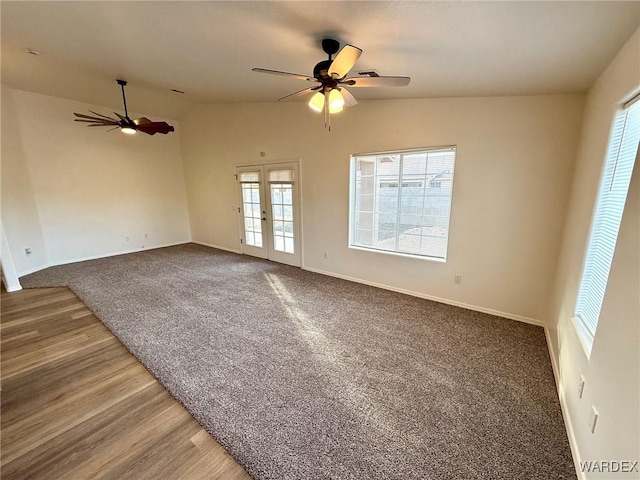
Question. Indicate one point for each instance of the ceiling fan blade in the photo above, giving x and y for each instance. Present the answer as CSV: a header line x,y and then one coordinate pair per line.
x,y
103,116
349,99
124,119
301,92
142,121
81,115
376,81
96,120
152,128
344,61
285,74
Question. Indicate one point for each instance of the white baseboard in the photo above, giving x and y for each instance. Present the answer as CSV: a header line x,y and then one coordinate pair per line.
x,y
219,247
95,257
14,288
34,269
573,443
511,316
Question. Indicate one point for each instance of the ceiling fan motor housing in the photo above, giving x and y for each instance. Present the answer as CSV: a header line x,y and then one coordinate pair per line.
x,y
321,70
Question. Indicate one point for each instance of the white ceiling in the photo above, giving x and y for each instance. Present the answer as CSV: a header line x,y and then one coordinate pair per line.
x,y
207,49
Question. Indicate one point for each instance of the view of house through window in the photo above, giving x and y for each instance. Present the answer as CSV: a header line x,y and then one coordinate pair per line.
x,y
401,201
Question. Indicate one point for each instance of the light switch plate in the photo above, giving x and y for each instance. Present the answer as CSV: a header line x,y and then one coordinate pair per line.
x,y
581,383
593,419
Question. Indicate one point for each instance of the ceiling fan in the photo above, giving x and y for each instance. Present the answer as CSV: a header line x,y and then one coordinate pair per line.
x,y
330,77
125,124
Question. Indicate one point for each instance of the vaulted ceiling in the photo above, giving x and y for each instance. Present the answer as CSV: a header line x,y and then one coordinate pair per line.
x,y
207,49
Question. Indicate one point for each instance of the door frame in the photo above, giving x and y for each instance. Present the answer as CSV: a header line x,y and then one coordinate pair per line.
x,y
264,166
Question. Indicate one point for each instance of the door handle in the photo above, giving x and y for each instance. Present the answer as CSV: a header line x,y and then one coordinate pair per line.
x,y
264,219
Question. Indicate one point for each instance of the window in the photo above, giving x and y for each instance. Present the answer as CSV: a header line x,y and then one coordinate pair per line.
x,y
614,185
401,201
250,184
281,188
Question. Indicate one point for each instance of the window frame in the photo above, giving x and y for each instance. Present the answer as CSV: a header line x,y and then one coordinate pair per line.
x,y
582,326
352,197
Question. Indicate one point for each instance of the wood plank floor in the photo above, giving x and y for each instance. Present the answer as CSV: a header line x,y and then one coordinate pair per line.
x,y
77,405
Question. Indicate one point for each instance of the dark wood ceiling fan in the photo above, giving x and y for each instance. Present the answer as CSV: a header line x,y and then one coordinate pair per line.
x,y
124,123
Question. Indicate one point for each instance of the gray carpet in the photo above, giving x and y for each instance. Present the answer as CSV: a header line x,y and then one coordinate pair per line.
x,y
304,376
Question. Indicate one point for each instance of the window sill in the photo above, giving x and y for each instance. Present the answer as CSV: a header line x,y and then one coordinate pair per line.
x,y
584,335
399,254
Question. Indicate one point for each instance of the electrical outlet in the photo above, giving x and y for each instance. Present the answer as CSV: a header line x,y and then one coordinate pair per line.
x,y
581,383
325,255
457,279
146,235
593,419
127,238
27,251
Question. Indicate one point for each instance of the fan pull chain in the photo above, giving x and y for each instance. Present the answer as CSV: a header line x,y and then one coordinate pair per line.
x,y
327,117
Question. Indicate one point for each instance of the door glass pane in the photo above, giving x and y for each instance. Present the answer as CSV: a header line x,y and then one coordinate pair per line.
x,y
252,214
282,214
288,245
287,194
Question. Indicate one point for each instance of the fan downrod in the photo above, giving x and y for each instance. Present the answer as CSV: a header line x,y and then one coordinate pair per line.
x,y
330,47
122,84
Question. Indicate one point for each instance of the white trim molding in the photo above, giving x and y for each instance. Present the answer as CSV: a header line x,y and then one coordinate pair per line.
x,y
219,247
96,257
511,316
10,278
564,408
584,335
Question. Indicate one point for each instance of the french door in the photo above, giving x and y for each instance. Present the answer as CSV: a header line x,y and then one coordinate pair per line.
x,y
268,196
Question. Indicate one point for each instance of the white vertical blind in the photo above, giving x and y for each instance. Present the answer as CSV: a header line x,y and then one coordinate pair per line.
x,y
285,176
249,177
614,186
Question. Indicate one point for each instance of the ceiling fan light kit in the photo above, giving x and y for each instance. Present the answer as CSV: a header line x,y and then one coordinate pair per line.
x,y
330,95
124,123
317,102
336,101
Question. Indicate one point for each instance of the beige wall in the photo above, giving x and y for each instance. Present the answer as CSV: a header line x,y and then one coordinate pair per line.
x,y
70,192
613,371
513,174
19,210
